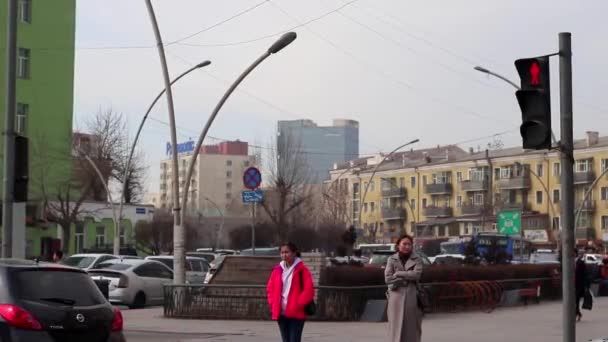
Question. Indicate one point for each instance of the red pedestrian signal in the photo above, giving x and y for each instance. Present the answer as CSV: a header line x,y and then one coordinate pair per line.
x,y
534,99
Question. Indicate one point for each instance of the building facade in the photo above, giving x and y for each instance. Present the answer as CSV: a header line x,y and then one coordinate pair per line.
x,y
448,192
45,86
321,146
217,181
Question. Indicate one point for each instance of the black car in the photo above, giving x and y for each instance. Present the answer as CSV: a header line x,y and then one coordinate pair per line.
x,y
42,302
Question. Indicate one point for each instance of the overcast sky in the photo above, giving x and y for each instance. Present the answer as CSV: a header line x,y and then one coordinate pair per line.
x,y
403,69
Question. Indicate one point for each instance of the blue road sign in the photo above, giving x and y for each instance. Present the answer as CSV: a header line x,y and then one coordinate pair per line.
x,y
252,178
253,196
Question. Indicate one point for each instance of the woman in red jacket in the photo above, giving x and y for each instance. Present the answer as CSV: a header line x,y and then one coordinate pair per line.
x,y
289,290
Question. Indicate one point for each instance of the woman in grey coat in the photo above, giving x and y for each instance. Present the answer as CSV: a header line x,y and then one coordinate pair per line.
x,y
402,273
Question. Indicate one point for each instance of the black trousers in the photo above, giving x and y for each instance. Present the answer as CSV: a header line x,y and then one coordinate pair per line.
x,y
291,329
579,295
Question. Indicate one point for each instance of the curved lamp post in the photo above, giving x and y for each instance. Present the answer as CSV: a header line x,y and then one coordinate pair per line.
x,y
491,73
520,165
141,126
286,39
376,169
585,197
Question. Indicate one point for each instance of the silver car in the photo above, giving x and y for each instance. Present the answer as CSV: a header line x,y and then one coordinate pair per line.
x,y
135,283
196,268
87,261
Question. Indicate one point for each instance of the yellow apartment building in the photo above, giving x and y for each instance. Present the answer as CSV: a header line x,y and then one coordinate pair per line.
x,y
448,192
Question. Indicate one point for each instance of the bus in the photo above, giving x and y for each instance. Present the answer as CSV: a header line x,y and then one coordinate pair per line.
x,y
367,249
515,247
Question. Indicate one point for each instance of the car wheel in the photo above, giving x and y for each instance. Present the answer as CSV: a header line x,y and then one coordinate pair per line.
x,y
139,301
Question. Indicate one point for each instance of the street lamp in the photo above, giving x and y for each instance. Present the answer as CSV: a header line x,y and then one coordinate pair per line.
x,y
376,169
141,126
178,249
178,229
221,230
519,165
491,73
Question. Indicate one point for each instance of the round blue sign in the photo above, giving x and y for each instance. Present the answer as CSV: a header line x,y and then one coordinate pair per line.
x,y
252,178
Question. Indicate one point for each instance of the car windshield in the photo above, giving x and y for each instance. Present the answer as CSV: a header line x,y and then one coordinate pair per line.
x,y
57,286
167,261
379,259
79,261
114,266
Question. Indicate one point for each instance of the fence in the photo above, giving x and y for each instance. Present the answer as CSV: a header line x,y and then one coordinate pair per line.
x,y
339,303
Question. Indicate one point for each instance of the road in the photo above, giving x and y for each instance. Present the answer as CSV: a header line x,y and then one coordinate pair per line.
x,y
536,322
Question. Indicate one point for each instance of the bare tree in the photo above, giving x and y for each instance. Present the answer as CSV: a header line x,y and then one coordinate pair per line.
x,y
288,173
157,235
335,204
134,188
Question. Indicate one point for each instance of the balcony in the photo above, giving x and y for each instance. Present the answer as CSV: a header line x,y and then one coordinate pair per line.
x,y
586,233
587,206
512,206
584,177
437,211
394,192
439,189
473,209
393,214
514,182
474,185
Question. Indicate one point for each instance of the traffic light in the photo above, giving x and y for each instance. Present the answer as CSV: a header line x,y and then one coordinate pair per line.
x,y
535,102
21,169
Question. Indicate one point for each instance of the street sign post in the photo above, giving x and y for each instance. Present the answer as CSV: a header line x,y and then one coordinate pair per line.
x,y
252,179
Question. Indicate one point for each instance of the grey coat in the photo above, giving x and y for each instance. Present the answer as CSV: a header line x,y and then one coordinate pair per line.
x,y
404,315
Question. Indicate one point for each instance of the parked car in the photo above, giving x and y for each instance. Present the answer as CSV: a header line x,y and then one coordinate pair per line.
x,y
196,268
134,257
217,251
87,261
447,259
543,256
215,265
593,259
46,302
209,257
380,257
135,283
262,251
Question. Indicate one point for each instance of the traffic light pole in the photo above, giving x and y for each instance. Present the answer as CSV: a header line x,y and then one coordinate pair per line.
x,y
567,180
9,130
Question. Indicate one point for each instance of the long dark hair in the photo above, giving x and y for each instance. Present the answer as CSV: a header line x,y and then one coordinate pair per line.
x,y
292,247
401,238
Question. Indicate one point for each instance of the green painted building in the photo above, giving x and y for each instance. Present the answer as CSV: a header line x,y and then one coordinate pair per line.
x,y
45,87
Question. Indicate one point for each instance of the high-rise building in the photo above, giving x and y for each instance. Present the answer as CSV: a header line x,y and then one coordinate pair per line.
x,y
320,146
45,87
217,181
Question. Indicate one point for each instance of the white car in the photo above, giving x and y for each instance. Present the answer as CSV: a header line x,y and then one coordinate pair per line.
x,y
135,283
196,268
87,261
593,259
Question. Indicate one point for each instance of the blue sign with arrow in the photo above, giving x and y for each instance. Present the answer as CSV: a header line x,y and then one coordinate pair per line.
x,y
253,196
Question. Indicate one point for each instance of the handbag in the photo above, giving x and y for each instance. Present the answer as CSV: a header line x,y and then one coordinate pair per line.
x,y
422,297
311,308
587,300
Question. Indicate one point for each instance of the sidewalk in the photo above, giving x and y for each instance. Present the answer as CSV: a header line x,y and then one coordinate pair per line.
x,y
538,323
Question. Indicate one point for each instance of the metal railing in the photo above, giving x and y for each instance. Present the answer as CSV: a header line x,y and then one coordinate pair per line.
x,y
338,303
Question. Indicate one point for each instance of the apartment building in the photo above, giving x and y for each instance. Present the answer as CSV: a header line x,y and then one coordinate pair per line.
x,y
217,181
448,192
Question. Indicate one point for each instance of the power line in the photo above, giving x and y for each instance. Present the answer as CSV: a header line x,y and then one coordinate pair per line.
x,y
386,75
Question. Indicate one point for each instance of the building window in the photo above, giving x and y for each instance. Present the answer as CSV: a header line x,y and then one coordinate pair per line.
x,y
555,225
424,202
228,186
604,192
423,180
365,207
402,182
100,235
604,222
79,238
556,196
539,197
458,177
25,11
122,236
478,198
413,203
604,164
557,169
246,163
23,63
372,207
539,170
459,201
228,162
228,174
228,195
505,172
582,165
23,110
413,182
372,186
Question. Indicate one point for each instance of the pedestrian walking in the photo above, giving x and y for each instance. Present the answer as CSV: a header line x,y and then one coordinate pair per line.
x,y
402,274
57,256
290,291
581,282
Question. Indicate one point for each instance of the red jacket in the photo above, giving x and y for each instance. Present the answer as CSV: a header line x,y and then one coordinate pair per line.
x,y
299,296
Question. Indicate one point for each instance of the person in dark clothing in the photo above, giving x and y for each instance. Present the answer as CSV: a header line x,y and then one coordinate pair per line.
x,y
581,283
